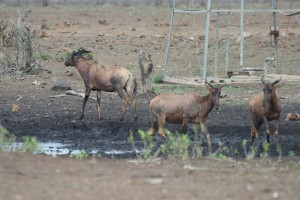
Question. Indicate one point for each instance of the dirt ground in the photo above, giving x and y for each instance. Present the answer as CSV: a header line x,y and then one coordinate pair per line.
x,y
116,34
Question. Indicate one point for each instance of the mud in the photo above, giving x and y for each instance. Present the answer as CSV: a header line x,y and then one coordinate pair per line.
x,y
56,120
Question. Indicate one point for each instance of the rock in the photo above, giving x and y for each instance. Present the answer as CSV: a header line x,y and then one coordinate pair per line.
x,y
15,108
61,85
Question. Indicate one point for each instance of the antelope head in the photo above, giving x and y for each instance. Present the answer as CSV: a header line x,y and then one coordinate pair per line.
x,y
215,92
269,89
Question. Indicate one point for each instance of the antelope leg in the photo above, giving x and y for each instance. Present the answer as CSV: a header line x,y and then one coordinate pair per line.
x,y
98,102
267,128
86,97
206,134
276,133
121,93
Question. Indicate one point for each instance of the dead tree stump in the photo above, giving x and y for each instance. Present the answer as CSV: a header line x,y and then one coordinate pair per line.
x,y
146,67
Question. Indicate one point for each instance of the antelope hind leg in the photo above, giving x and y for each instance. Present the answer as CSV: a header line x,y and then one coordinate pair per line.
x,y
98,103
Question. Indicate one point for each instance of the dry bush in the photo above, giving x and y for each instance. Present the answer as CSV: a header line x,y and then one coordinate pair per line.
x,y
18,42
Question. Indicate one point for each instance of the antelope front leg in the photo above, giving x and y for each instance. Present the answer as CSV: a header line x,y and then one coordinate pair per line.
x,y
267,129
206,134
184,125
98,103
133,105
86,97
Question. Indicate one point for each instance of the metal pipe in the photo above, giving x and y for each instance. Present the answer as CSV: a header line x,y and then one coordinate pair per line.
x,y
274,7
217,41
206,40
283,11
242,35
228,38
169,39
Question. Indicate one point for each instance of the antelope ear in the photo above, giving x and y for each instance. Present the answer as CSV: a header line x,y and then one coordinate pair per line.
x,y
281,85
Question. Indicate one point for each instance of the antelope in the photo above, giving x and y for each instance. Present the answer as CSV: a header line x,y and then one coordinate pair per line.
x,y
183,109
99,78
265,107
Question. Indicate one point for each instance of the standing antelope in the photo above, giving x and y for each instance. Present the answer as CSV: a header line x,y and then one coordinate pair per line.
x,y
265,107
183,109
102,78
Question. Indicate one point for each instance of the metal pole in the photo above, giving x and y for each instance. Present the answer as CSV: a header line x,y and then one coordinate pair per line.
x,y
274,7
206,39
169,38
228,38
217,41
242,35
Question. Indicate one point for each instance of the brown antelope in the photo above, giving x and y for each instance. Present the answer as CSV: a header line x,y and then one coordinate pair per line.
x,y
102,78
183,109
265,107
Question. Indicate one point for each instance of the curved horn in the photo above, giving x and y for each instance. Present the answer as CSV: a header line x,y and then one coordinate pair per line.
x,y
210,85
263,80
220,87
82,51
276,81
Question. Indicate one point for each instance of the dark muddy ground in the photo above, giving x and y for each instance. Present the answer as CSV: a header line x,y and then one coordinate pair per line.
x,y
57,119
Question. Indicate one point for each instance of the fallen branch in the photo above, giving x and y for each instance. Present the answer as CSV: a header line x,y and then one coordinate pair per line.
x,y
57,96
71,92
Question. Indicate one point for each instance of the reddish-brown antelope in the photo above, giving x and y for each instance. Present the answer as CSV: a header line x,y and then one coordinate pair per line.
x,y
265,107
183,109
102,78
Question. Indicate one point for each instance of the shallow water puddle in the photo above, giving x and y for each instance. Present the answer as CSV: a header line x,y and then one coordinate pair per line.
x,y
48,148
60,149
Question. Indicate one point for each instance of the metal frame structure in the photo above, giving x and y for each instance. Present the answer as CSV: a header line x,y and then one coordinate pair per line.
x,y
208,12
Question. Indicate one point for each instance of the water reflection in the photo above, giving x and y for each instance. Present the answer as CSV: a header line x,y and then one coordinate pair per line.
x,y
59,149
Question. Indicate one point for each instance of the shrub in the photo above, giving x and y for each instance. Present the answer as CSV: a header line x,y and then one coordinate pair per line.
x,y
158,79
30,144
18,41
44,56
79,155
6,138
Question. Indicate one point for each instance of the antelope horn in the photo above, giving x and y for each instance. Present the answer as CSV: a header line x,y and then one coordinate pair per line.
x,y
210,85
222,85
276,81
82,51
